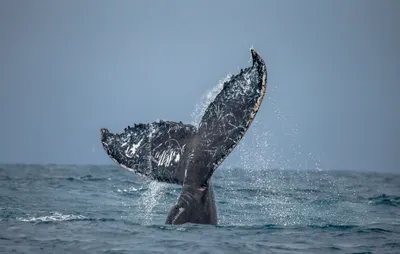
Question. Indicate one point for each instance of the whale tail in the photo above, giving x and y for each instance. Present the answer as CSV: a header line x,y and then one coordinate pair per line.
x,y
194,206
188,155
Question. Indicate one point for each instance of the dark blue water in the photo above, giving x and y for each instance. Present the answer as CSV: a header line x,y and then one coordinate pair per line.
x,y
103,209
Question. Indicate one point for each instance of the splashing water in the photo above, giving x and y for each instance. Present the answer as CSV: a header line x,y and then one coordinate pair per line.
x,y
260,152
150,198
206,100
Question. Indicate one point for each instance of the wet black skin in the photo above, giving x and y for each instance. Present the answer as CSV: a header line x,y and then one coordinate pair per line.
x,y
200,207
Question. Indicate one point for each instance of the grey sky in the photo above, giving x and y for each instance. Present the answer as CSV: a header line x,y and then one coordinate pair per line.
x,y
68,68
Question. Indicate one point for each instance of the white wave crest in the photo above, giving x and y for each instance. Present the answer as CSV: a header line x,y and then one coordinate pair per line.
x,y
54,217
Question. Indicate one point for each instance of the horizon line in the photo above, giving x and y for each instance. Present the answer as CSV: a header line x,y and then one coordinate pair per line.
x,y
223,167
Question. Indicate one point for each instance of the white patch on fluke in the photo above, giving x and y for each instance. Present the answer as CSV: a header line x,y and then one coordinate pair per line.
x,y
131,151
177,157
153,130
247,78
167,157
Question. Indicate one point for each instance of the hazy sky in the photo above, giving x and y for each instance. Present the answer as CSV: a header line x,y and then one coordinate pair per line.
x,y
68,68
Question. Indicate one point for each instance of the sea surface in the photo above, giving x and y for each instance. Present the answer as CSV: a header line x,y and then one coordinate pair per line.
x,y
104,209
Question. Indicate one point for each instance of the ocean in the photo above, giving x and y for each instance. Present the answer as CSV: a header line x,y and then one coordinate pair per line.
x,y
104,209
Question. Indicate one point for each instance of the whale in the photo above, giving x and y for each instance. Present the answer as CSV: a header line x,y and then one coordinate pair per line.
x,y
188,155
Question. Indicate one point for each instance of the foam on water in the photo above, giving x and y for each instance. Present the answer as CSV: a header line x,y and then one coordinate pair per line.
x,y
54,217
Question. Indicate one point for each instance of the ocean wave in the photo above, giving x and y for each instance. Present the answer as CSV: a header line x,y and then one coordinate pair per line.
x,y
325,201
373,230
5,178
95,179
334,226
385,200
307,190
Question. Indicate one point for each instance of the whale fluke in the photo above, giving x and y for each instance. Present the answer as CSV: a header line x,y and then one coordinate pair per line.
x,y
155,150
188,155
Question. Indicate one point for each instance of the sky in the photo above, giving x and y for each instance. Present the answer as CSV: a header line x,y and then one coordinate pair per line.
x,y
68,68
